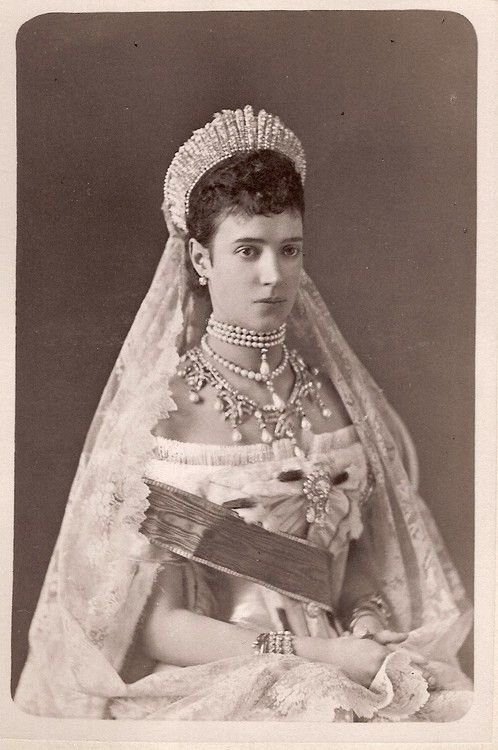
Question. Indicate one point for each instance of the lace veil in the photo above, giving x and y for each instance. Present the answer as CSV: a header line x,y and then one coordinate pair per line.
x,y
103,568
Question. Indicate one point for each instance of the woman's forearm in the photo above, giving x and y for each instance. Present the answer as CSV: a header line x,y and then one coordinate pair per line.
x,y
175,635
358,582
184,638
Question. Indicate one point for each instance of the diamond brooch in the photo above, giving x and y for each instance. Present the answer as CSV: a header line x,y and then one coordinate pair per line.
x,y
316,488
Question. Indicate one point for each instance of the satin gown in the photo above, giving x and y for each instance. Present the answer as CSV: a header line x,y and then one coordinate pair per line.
x,y
226,474
283,688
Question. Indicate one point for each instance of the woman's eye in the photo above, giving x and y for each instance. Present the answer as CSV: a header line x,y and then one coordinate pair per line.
x,y
247,251
291,250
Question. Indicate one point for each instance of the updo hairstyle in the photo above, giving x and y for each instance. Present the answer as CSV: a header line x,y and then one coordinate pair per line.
x,y
260,182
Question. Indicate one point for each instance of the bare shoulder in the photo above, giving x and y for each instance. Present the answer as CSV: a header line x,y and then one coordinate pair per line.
x,y
175,424
180,394
193,421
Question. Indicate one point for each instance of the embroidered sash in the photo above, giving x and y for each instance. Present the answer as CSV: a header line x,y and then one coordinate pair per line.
x,y
197,529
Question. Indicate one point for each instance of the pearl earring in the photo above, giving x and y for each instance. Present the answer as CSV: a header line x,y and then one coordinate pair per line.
x,y
203,280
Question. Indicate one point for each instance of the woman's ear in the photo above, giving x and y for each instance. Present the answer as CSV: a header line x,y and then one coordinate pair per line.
x,y
200,257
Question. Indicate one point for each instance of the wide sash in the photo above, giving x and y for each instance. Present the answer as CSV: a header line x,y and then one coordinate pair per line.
x,y
213,535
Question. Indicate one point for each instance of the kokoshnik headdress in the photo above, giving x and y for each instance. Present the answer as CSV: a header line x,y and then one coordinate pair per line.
x,y
103,568
228,133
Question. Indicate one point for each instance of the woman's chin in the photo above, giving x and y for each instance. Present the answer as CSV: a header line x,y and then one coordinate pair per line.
x,y
260,317
269,315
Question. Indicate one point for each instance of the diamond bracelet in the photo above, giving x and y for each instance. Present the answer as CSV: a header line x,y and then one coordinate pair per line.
x,y
274,642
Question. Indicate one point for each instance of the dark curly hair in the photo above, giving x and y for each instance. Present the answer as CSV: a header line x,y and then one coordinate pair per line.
x,y
252,182
259,182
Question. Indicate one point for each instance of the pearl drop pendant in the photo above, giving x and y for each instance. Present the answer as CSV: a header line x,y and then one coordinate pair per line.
x,y
305,424
236,435
264,368
194,397
277,401
310,515
266,436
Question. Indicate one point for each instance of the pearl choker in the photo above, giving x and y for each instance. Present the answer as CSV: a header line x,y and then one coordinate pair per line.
x,y
240,336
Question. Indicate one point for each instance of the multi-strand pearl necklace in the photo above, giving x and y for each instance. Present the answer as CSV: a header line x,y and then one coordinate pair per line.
x,y
259,377
262,340
275,420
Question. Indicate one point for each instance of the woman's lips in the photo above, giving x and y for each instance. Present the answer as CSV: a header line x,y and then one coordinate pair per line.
x,y
271,300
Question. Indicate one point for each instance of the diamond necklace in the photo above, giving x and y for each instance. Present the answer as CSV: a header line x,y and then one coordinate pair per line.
x,y
274,422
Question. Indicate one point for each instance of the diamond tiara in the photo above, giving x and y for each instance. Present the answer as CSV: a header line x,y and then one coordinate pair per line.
x,y
229,132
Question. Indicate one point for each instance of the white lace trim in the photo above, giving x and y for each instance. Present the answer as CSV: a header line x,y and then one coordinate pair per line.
x,y
235,455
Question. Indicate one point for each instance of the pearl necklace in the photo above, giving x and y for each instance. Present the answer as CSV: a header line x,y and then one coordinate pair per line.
x,y
252,374
236,407
240,336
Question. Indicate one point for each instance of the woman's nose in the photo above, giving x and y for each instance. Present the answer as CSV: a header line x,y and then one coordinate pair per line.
x,y
269,268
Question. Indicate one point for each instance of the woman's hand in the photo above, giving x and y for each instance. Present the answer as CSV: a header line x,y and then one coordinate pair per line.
x,y
359,658
371,626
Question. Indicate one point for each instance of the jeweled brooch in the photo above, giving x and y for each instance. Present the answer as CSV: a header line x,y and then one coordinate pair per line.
x,y
316,488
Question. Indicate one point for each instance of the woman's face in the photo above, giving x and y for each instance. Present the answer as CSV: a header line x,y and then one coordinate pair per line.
x,y
254,268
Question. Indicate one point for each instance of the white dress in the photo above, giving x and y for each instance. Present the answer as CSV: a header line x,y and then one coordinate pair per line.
x,y
291,689
227,474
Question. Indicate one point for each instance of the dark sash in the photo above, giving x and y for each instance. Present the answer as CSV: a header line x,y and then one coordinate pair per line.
x,y
213,535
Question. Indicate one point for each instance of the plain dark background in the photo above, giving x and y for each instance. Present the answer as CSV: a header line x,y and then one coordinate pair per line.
x,y
385,104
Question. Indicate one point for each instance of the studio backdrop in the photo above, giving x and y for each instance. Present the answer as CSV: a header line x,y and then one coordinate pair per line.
x,y
385,105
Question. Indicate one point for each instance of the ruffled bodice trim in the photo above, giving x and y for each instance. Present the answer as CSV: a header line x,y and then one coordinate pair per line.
x,y
238,455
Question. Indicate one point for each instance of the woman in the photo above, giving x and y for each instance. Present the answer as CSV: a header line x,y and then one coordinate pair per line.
x,y
243,538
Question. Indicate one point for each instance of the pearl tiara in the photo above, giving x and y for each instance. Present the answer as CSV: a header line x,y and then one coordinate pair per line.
x,y
229,132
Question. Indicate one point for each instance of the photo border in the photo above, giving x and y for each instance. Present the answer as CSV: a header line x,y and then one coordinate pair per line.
x,y
478,726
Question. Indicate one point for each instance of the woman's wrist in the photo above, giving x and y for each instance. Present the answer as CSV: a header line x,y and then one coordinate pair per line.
x,y
306,647
366,621
274,642
372,606
313,649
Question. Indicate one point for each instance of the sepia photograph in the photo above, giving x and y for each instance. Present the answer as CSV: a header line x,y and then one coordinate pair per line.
x,y
245,366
